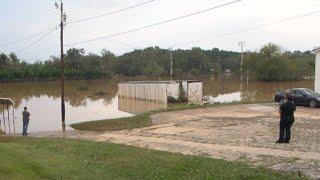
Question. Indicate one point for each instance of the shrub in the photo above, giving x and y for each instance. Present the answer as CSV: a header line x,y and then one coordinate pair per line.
x,y
276,69
182,95
172,100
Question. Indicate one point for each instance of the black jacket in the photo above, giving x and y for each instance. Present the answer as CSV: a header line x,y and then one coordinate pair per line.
x,y
287,111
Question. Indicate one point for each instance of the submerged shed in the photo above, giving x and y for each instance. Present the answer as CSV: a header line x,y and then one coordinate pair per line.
x,y
7,123
6,101
159,91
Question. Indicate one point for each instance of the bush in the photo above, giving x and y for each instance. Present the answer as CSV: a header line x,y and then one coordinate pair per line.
x,y
172,100
182,95
194,71
277,69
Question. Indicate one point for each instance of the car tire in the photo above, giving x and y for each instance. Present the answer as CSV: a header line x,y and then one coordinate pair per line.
x,y
282,101
312,104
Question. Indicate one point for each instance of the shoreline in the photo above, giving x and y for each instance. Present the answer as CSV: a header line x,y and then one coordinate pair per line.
x,y
144,119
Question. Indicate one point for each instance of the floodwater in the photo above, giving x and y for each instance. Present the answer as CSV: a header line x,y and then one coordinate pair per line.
x,y
229,89
43,100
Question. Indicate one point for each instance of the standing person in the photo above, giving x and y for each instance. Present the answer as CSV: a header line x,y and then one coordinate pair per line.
x,y
286,111
25,119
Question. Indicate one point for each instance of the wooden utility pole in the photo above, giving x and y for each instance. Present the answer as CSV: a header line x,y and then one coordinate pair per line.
x,y
62,21
241,44
171,64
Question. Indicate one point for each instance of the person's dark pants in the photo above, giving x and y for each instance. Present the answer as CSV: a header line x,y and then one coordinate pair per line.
x,y
25,127
285,130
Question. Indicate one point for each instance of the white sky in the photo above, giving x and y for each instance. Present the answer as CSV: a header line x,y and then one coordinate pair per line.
x,y
22,18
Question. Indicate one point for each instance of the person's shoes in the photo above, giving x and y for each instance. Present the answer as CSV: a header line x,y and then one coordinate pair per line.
x,y
287,142
279,141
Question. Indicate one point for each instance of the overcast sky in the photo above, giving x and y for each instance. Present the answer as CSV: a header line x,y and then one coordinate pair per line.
x,y
222,28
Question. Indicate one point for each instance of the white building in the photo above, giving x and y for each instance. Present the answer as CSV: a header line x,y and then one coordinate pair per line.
x,y
317,72
159,91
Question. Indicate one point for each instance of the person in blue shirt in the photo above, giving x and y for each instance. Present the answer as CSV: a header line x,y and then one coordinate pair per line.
x,y
25,119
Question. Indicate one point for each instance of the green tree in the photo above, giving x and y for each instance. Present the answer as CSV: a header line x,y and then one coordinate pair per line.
x,y
14,59
154,70
270,50
276,69
4,60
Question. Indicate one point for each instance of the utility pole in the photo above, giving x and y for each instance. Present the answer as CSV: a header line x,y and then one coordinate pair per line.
x,y
171,64
241,44
63,18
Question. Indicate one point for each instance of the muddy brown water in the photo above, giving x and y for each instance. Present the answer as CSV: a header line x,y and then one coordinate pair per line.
x,y
43,99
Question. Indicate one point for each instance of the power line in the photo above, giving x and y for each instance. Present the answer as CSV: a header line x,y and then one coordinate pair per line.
x,y
26,38
112,12
276,22
257,27
159,23
95,35
35,42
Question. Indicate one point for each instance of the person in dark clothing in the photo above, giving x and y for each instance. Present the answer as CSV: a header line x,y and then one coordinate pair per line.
x,y
25,119
286,111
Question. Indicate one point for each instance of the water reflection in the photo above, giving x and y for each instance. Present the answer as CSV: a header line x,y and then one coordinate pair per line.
x,y
43,102
225,98
7,123
25,91
136,106
227,89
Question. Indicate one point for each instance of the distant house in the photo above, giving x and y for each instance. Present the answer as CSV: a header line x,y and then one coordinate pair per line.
x,y
317,74
227,72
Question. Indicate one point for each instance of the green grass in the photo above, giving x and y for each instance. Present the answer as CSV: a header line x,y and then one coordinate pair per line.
x,y
140,120
29,158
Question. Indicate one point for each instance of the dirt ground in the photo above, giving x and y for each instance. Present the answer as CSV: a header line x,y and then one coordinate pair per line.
x,y
232,132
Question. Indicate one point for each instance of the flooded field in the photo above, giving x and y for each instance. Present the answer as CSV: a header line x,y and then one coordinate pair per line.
x,y
97,99
230,89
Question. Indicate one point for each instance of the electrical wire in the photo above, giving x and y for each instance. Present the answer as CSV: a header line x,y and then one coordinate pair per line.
x,y
116,41
112,12
273,23
35,42
26,38
256,27
159,23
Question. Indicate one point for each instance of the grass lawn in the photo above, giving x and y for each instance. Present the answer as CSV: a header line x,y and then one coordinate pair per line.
x,y
141,120
29,158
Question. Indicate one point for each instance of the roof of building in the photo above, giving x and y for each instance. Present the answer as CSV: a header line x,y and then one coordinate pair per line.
x,y
6,101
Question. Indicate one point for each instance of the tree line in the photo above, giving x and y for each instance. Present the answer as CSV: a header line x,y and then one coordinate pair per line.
x,y
77,66
269,64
